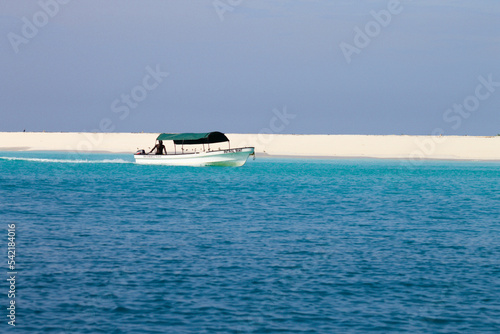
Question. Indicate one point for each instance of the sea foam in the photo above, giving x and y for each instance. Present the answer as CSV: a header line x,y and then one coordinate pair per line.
x,y
71,161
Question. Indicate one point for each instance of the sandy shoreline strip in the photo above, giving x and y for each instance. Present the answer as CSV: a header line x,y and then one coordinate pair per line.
x,y
345,146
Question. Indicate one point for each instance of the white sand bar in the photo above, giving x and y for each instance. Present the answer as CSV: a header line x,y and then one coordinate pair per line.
x,y
369,146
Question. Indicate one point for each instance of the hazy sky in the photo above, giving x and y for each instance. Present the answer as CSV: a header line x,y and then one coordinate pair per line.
x,y
336,67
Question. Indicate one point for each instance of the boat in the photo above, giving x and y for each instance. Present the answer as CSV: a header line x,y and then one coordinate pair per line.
x,y
198,151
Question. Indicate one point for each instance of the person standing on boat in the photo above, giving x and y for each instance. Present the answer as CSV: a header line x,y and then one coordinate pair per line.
x,y
160,148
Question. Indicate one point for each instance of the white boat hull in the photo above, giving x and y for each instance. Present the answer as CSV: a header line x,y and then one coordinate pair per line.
x,y
234,157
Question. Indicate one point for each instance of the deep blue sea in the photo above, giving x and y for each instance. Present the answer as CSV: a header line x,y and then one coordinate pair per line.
x,y
276,246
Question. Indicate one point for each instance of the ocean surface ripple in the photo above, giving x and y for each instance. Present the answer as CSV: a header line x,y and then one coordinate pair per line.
x,y
276,246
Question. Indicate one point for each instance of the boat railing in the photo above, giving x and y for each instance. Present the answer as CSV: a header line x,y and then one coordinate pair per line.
x,y
195,151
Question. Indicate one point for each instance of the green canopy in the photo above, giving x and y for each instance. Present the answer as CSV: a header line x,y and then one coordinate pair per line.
x,y
194,138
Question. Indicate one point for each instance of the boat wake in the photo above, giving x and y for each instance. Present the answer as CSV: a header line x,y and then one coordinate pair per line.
x,y
70,161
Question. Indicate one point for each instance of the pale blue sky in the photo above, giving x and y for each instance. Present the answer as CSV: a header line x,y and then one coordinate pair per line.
x,y
228,71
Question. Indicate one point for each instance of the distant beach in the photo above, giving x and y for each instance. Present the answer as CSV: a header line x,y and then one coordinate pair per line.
x,y
413,148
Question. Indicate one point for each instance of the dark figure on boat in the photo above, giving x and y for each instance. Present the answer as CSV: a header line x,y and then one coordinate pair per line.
x,y
160,148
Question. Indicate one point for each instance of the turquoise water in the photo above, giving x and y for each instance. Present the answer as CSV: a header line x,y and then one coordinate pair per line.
x,y
276,246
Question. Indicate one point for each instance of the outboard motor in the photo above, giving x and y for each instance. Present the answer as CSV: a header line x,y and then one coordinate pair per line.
x,y
140,152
